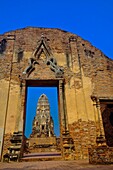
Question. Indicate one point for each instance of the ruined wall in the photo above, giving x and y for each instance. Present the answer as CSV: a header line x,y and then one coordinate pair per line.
x,y
87,72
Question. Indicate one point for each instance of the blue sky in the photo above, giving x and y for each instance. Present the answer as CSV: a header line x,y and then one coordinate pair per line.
x,y
33,94
91,19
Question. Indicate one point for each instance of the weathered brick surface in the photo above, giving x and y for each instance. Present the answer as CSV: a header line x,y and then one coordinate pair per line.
x,y
97,66
7,143
101,155
84,135
87,72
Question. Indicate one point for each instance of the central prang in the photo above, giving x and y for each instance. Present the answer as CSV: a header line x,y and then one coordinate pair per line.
x,y
43,125
42,138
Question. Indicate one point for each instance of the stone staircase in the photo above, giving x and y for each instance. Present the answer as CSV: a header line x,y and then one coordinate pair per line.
x,y
42,156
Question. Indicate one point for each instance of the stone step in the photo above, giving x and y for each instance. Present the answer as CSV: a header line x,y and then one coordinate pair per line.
x,y
43,156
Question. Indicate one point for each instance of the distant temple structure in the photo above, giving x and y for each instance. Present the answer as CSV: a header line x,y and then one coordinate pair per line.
x,y
43,125
42,137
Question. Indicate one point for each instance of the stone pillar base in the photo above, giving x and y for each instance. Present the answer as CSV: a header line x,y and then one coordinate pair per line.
x,y
101,155
68,146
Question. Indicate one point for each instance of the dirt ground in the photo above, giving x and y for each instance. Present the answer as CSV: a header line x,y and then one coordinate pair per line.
x,y
53,165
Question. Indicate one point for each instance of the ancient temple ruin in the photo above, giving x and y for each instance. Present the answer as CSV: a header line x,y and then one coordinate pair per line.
x,y
42,135
83,76
43,125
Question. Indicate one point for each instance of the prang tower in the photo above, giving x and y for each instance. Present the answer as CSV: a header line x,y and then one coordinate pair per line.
x,y
43,125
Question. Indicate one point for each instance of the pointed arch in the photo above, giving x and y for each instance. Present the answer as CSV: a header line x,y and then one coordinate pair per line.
x,y
44,53
42,48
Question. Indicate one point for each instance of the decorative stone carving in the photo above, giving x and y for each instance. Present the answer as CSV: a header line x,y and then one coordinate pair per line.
x,y
31,66
54,67
42,47
43,52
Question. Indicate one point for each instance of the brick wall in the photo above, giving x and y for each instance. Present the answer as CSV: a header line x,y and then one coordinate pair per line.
x,y
87,71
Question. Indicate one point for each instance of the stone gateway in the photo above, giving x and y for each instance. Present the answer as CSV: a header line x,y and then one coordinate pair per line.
x,y
83,75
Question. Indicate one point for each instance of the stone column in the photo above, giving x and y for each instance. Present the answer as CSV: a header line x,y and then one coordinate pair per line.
x,y
61,107
22,107
101,138
22,114
18,127
100,118
67,144
96,116
99,154
61,114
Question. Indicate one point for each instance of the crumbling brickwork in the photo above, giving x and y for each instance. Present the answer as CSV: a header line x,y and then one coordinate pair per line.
x,y
85,71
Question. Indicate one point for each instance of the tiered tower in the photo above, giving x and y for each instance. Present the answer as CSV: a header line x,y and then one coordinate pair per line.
x,y
43,125
42,138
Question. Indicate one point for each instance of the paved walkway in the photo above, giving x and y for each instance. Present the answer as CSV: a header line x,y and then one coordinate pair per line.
x,y
53,165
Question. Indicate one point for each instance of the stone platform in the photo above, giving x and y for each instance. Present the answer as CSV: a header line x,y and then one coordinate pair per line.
x,y
42,141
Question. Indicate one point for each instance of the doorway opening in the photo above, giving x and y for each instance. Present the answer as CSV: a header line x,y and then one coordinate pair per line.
x,y
107,117
42,120
33,95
